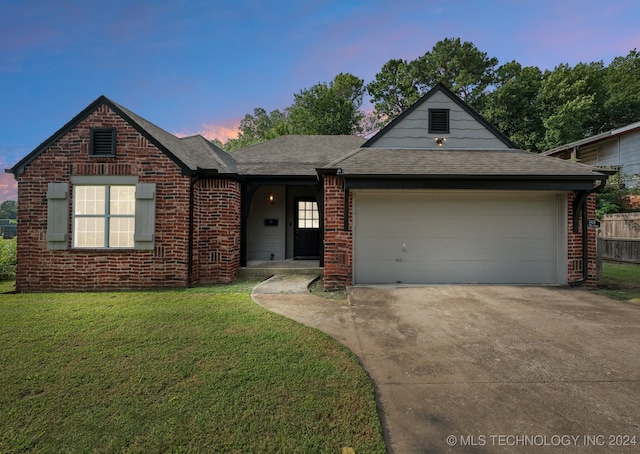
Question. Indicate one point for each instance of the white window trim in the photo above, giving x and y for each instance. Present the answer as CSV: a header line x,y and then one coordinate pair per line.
x,y
107,216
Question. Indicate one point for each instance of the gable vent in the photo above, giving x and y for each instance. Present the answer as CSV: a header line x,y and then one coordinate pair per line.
x,y
438,120
103,142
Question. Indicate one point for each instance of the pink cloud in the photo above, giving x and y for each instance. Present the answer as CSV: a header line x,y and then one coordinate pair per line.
x,y
223,132
8,187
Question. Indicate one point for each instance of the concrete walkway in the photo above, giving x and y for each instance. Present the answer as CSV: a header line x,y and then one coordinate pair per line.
x,y
486,368
289,296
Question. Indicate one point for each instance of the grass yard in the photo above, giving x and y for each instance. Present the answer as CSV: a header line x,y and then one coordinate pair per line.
x,y
621,280
198,370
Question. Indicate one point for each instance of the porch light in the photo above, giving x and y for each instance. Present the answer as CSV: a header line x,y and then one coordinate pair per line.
x,y
440,140
272,198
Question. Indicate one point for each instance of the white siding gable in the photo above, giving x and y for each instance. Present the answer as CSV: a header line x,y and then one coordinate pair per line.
x,y
630,158
623,151
465,131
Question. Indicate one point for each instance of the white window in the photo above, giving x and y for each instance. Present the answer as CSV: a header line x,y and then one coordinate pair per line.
x,y
308,217
104,216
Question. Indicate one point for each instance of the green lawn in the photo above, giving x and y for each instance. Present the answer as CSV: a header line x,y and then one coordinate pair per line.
x,y
199,370
621,280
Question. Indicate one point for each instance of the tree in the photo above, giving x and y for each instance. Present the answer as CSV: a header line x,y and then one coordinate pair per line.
x,y
332,108
459,66
328,109
513,105
259,127
9,209
622,80
572,103
394,89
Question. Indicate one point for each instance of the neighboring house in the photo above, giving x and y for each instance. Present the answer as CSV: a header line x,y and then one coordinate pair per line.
x,y
112,201
8,228
618,149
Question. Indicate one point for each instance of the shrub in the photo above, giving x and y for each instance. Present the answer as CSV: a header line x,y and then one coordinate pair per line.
x,y
614,198
8,259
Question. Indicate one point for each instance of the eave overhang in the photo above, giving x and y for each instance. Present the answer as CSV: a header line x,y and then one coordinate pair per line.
x,y
280,179
500,182
217,175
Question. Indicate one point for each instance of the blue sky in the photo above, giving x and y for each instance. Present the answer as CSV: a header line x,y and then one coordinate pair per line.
x,y
199,66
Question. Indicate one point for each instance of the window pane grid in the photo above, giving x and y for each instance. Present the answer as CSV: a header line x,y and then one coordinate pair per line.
x,y
104,216
122,200
89,232
90,200
308,217
121,232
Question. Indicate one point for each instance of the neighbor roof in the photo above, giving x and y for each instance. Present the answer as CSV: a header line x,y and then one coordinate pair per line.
x,y
293,155
456,164
594,139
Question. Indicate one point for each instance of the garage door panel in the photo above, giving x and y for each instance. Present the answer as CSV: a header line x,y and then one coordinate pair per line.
x,y
464,237
459,226
443,249
461,272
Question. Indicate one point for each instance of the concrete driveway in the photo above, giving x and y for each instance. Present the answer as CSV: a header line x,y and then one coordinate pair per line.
x,y
491,368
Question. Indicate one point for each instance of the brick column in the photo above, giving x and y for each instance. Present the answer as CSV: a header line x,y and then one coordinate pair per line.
x,y
574,244
338,242
217,237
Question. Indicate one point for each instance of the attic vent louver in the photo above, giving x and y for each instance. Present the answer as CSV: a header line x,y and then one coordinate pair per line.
x,y
439,120
103,142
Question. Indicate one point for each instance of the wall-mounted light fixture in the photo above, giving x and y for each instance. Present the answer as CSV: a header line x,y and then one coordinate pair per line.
x,y
440,140
272,198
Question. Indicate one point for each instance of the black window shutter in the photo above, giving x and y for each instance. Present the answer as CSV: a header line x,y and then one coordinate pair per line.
x,y
103,142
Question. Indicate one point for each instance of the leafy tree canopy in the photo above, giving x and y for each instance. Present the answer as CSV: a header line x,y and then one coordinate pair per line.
x,y
537,110
459,66
258,127
328,109
332,108
9,209
622,82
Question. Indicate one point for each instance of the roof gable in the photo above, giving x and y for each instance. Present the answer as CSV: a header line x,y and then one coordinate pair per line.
x,y
189,153
467,129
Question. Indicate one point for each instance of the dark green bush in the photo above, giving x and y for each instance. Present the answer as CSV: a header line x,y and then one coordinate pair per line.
x,y
8,259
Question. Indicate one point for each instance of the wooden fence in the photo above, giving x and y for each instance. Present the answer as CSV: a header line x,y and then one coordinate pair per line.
x,y
619,237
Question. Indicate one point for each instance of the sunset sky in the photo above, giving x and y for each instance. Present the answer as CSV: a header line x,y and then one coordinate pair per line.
x,y
199,66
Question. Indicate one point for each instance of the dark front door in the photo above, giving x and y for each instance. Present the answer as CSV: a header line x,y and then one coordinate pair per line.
x,y
307,229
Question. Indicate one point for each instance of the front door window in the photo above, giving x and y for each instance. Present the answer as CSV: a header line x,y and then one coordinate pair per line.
x,y
308,214
307,232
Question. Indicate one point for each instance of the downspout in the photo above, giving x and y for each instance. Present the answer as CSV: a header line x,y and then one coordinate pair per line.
x,y
581,202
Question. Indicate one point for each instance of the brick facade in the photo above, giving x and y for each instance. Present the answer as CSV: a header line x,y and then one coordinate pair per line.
x,y
198,220
338,242
40,269
217,242
574,244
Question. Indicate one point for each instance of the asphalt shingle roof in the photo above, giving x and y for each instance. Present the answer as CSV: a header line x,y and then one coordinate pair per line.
x,y
293,154
455,163
194,151
297,155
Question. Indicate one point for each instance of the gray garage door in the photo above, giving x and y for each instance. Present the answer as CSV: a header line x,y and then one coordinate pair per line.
x,y
491,237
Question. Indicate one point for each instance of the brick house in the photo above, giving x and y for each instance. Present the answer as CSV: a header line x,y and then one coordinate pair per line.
x,y
111,201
